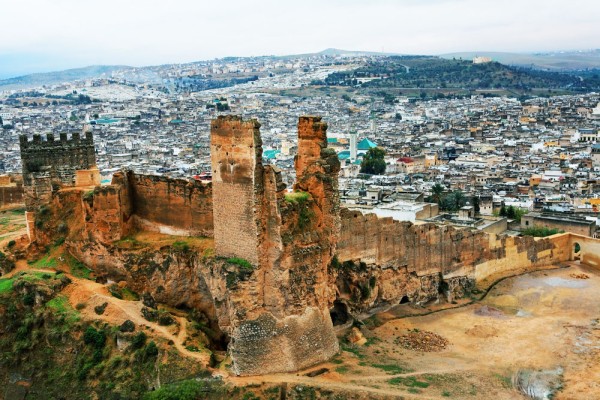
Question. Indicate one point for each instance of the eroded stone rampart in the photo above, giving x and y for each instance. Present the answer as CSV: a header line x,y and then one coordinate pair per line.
x,y
282,261
166,205
50,164
236,157
279,317
381,262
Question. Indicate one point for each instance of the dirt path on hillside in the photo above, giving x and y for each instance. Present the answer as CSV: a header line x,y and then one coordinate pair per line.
x,y
92,294
339,385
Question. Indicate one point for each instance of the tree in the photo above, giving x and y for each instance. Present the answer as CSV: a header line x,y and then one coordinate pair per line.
x,y
510,212
1,122
373,162
399,116
454,201
503,211
476,207
436,193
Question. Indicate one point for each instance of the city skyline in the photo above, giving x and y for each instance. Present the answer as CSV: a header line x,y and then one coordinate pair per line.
x,y
70,34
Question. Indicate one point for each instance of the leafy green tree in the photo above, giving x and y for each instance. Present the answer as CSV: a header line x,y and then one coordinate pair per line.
x,y
373,162
454,201
510,212
503,211
437,192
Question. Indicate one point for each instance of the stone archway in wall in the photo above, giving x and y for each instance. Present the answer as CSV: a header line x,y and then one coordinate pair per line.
x,y
576,251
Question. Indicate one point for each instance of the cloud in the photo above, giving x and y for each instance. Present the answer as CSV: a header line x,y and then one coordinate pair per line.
x,y
137,32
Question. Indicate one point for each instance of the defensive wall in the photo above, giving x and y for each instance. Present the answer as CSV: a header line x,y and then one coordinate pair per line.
x,y
51,164
166,205
11,193
285,261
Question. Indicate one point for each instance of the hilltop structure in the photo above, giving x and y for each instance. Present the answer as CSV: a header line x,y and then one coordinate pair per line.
x,y
287,266
56,163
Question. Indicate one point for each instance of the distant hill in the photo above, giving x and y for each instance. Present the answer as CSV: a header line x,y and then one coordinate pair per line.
x,y
52,78
554,61
427,72
338,52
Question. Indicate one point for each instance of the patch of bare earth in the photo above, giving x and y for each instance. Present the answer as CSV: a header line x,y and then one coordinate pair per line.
x,y
536,333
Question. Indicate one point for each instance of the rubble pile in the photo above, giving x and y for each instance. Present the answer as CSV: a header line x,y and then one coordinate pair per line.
x,y
425,341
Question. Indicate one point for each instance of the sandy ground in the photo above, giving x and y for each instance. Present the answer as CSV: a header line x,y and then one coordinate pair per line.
x,y
12,225
542,321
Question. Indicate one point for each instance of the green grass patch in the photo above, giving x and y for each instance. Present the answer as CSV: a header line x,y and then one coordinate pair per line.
x,y
45,262
77,268
409,381
391,369
353,350
297,197
32,276
129,294
60,305
180,246
186,390
6,285
505,380
241,262
540,231
342,369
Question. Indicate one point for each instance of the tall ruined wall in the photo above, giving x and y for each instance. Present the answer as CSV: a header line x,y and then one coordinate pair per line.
x,y
103,214
510,255
236,157
382,261
11,194
167,205
422,248
277,316
38,191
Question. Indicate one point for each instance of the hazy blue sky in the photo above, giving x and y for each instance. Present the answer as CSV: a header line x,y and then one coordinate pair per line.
x,y
42,35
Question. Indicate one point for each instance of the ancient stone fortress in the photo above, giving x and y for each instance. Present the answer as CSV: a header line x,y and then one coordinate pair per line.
x,y
287,265
52,163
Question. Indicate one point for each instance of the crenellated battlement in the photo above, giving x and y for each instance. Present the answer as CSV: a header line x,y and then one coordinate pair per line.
x,y
58,159
37,141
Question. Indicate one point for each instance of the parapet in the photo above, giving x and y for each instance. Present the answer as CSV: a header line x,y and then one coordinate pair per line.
x,y
37,143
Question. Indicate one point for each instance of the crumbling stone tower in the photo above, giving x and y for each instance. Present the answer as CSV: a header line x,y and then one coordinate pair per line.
x,y
236,157
63,162
278,320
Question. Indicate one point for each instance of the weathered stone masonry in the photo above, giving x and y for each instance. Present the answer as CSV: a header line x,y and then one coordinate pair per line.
x,y
54,162
308,256
236,156
285,304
